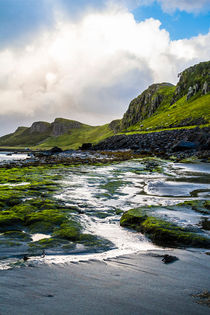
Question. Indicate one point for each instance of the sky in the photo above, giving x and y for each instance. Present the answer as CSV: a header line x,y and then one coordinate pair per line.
x,y
86,60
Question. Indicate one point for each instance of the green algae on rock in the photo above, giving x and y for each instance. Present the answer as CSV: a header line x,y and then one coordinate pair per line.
x,y
162,232
69,230
205,223
27,206
202,206
46,243
30,207
94,241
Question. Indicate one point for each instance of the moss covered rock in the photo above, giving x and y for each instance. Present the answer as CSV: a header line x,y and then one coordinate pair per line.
x,y
19,235
69,231
133,218
162,232
202,206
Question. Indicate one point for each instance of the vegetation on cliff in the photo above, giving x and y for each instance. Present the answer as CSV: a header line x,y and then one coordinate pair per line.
x,y
161,106
167,106
64,133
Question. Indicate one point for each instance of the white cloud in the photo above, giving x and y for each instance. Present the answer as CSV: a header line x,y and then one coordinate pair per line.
x,y
185,5
89,69
169,6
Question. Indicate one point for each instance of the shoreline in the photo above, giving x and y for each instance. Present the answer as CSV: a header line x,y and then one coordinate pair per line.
x,y
131,284
177,143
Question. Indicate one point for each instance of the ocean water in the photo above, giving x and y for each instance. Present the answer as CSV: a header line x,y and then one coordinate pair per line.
x,y
10,156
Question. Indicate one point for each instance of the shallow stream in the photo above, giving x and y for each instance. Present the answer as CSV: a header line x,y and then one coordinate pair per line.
x,y
101,193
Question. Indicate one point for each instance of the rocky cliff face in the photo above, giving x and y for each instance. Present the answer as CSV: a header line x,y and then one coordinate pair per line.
x,y
115,125
61,126
57,128
39,127
192,81
145,104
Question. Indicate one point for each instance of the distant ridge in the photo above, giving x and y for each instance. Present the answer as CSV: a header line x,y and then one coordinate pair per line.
x,y
161,106
61,132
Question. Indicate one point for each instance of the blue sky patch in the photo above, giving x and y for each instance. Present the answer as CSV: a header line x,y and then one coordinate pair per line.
x,y
179,24
21,18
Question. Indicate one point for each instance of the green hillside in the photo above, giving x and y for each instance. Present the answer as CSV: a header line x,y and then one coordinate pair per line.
x,y
181,114
164,106
67,134
161,106
76,137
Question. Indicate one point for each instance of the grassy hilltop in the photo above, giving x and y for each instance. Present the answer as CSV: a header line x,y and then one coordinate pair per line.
x,y
162,106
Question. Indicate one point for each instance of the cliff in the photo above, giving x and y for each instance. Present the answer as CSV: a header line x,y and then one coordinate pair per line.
x,y
146,104
39,132
164,105
161,106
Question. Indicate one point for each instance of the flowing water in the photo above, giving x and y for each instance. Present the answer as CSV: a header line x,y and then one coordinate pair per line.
x,y
10,156
100,193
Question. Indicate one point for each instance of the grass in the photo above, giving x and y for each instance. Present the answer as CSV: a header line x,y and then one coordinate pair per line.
x,y
168,117
76,137
151,111
145,105
77,134
23,138
137,131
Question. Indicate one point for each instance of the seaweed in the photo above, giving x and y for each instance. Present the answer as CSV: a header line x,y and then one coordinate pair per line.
x,y
162,232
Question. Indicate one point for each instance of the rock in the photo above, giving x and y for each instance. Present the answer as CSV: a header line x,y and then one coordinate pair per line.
x,y
115,125
167,259
190,93
25,257
144,105
39,127
205,88
86,146
184,145
205,223
195,88
55,150
135,147
61,126
192,80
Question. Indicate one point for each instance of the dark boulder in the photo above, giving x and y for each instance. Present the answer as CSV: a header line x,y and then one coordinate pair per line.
x,y
167,259
55,150
135,147
184,145
86,146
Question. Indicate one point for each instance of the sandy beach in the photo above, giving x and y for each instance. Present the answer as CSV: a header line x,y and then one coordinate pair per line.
x,y
136,284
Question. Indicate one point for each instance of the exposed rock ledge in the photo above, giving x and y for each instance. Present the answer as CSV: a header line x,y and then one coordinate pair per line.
x,y
161,143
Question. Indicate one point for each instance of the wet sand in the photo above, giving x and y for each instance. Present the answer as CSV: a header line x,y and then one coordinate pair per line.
x,y
137,284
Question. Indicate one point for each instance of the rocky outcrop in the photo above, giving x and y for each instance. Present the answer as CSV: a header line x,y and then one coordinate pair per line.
x,y
39,132
206,88
57,128
86,146
160,143
115,125
61,126
39,127
192,81
145,105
